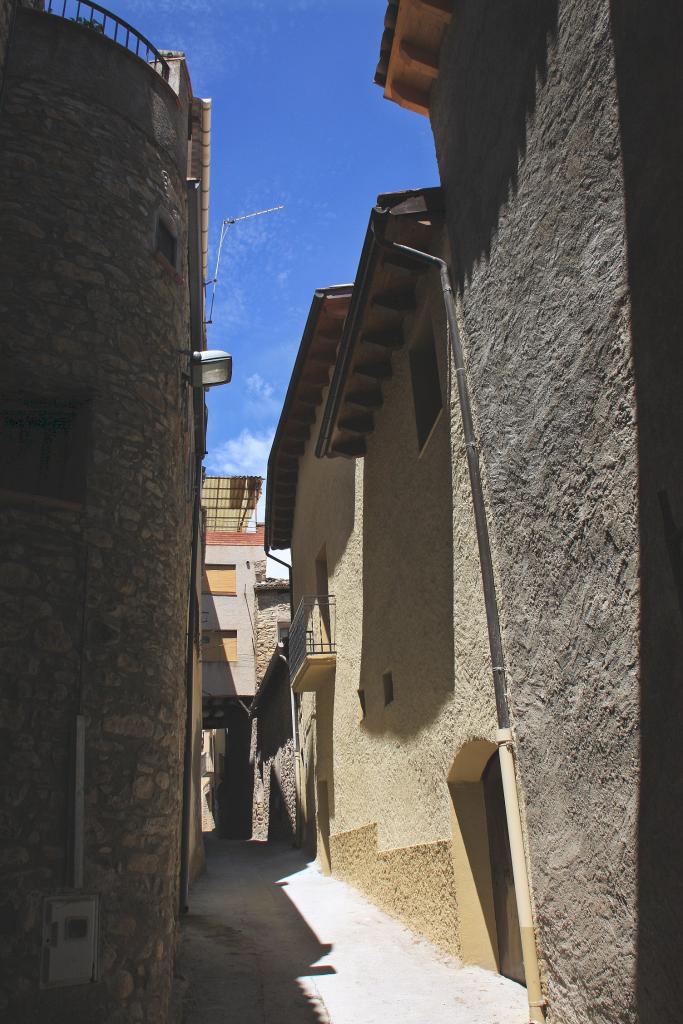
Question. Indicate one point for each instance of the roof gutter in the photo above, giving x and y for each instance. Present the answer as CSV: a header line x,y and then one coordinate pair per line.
x,y
346,348
205,161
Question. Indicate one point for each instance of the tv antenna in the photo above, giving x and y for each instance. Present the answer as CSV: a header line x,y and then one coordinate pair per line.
x,y
228,223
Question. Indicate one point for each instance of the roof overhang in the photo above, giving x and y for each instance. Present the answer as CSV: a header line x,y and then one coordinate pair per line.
x,y
384,297
229,502
310,377
409,53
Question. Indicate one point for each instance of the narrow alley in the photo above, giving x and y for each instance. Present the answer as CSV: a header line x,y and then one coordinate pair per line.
x,y
269,939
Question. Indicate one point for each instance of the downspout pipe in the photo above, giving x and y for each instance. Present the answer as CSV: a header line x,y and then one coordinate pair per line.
x,y
504,735
184,893
293,710
197,342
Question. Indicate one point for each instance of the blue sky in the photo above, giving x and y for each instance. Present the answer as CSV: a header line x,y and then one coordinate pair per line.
x,y
296,120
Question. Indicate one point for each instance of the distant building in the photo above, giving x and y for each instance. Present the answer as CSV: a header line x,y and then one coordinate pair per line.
x,y
244,616
234,559
103,183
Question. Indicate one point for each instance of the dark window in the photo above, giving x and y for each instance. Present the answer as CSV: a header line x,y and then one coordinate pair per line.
x,y
424,374
361,698
166,242
44,450
388,684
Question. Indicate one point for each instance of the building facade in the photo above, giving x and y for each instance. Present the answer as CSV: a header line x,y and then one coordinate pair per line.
x,y
390,692
560,168
100,290
244,616
554,259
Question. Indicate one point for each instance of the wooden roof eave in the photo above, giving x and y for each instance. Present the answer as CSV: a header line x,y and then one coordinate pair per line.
x,y
309,378
410,51
383,298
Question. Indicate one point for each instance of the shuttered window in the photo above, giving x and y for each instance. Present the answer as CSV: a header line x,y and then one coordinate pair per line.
x,y
220,645
220,579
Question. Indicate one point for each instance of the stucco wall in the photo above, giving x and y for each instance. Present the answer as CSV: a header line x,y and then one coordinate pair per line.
x,y
92,143
526,123
409,601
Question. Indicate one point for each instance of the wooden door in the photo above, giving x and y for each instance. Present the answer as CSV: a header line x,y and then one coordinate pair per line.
x,y
510,962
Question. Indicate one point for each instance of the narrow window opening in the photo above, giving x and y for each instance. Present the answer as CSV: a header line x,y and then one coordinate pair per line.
x,y
44,449
166,242
424,375
361,698
220,645
388,684
220,580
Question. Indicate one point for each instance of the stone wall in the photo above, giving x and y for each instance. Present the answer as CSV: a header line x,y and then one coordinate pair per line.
x,y
93,145
272,749
528,132
274,807
271,607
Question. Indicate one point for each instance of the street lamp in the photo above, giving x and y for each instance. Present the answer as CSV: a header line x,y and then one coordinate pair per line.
x,y
210,368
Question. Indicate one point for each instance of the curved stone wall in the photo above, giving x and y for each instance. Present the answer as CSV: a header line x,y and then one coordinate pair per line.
x,y
92,149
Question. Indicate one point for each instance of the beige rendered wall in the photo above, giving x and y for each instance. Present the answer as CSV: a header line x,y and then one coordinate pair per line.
x,y
404,571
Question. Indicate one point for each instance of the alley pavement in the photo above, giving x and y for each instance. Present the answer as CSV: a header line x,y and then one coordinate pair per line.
x,y
270,940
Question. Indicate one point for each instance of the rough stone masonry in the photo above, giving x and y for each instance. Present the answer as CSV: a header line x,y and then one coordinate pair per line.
x,y
93,591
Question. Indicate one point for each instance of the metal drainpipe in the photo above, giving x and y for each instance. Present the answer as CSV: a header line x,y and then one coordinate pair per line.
x,y
504,736
184,894
294,712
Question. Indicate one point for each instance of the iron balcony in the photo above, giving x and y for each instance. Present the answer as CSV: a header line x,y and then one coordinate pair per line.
x,y
312,643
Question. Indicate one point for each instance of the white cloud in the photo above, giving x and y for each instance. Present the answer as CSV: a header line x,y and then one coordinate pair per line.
x,y
261,401
259,387
244,455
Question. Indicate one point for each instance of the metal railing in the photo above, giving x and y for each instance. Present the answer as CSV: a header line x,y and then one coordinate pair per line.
x,y
313,630
102,21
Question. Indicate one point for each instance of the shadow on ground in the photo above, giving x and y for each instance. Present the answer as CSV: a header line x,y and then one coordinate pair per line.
x,y
244,946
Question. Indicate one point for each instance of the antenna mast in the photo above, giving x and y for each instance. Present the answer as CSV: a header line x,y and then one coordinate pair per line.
x,y
224,230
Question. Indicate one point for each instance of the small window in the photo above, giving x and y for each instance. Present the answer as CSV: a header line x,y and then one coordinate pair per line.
x,y
44,449
424,375
220,580
388,685
282,631
361,699
166,241
220,645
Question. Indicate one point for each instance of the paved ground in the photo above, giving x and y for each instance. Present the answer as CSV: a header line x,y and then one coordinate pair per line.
x,y
270,940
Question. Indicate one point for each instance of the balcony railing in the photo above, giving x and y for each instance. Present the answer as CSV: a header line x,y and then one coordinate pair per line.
x,y
313,631
102,21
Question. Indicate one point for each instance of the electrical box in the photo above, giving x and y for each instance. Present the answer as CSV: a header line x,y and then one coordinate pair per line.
x,y
70,940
